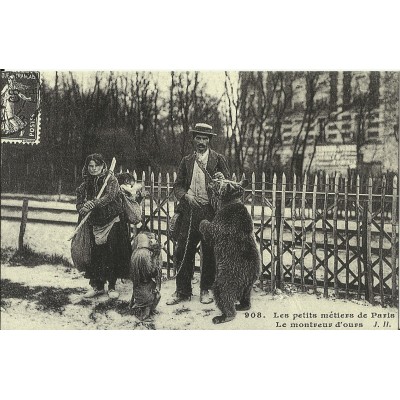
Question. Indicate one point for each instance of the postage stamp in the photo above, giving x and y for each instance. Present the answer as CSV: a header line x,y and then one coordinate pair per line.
x,y
20,107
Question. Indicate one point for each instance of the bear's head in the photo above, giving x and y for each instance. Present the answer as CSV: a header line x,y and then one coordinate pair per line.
x,y
147,240
226,191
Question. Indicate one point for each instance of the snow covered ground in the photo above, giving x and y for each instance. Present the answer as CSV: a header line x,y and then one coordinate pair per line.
x,y
296,310
43,238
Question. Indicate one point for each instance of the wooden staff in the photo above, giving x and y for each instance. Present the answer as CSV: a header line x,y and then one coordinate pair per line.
x,y
110,171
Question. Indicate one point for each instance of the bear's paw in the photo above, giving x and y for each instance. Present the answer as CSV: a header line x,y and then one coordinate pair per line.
x,y
220,319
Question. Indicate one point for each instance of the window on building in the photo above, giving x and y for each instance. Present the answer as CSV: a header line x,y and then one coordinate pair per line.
x,y
346,126
346,118
373,134
287,138
333,95
347,136
311,138
373,125
346,89
332,127
332,136
321,125
285,130
374,82
373,116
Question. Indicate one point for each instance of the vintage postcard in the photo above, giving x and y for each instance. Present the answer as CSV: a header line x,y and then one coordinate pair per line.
x,y
199,200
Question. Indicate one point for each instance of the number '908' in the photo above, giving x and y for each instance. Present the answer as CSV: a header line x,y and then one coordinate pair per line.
x,y
252,315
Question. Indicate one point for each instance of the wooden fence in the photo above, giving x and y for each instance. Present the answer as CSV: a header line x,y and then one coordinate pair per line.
x,y
323,233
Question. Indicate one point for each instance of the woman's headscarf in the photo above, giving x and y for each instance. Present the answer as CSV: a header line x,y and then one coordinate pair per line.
x,y
98,159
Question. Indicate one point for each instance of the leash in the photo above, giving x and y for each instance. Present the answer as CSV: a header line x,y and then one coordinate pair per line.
x,y
186,245
215,203
204,170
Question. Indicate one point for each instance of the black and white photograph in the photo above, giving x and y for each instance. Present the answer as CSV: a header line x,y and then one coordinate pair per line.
x,y
198,200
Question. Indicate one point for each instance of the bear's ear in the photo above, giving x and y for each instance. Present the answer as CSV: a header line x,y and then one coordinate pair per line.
x,y
151,235
244,182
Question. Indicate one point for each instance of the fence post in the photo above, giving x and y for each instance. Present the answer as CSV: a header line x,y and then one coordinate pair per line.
x,y
346,228
281,228
381,234
244,192
394,239
143,201
294,227
262,226
273,233
159,207
303,229
151,201
167,230
335,240
174,175
314,239
278,215
22,227
367,245
253,194
359,250
324,219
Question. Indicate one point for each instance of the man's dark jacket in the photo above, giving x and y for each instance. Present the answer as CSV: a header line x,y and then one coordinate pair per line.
x,y
216,163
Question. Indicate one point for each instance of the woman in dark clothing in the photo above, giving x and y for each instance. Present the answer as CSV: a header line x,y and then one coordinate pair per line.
x,y
111,248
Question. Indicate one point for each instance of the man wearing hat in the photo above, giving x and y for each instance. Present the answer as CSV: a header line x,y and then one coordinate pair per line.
x,y
190,188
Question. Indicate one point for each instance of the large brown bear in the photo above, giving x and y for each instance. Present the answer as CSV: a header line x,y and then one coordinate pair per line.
x,y
238,260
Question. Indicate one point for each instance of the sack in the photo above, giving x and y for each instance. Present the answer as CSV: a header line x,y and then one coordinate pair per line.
x,y
175,225
132,209
81,248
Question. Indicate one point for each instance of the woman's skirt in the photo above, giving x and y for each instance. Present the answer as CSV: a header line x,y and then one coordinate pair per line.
x,y
110,261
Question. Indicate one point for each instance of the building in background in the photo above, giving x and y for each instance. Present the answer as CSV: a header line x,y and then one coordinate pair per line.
x,y
330,121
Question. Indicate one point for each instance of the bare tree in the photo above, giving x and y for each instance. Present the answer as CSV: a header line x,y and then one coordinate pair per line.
x,y
187,104
271,104
239,120
312,109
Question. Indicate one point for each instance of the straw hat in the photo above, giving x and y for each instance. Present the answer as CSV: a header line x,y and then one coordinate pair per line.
x,y
203,129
